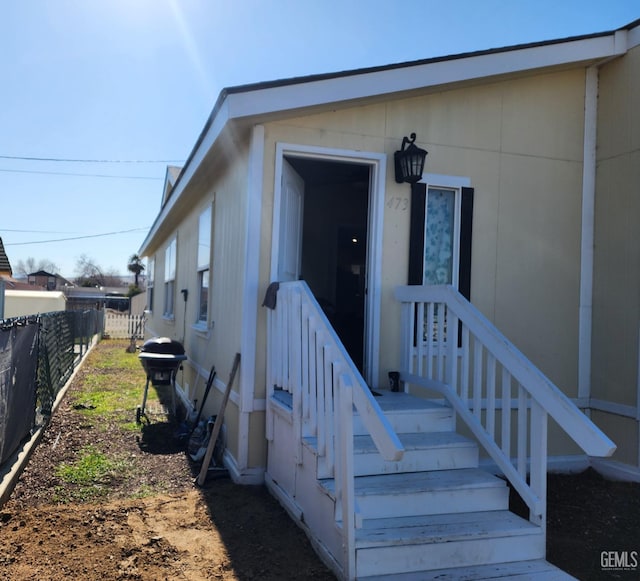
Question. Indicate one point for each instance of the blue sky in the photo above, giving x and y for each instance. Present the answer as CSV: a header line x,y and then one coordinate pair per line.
x,y
132,82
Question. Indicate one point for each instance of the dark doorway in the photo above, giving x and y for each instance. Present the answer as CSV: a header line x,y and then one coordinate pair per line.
x,y
334,244
350,289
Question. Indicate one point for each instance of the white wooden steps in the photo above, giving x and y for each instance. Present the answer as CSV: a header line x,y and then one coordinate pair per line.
x,y
537,570
435,514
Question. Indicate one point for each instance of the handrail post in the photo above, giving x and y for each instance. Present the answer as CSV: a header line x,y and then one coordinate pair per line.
x,y
538,467
406,331
271,346
345,436
452,344
295,372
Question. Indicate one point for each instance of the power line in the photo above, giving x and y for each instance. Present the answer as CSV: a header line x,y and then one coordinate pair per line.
x,y
85,175
76,237
35,231
69,160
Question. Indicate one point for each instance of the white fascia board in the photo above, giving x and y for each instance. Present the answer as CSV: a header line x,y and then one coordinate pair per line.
x,y
633,37
412,77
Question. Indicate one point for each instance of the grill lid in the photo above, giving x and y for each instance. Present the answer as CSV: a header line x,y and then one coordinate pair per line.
x,y
162,346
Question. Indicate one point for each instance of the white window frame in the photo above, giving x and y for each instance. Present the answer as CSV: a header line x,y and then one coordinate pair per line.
x,y
151,271
203,265
170,268
452,183
455,184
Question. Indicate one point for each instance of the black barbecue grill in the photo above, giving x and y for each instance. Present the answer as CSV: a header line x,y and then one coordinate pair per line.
x,y
161,358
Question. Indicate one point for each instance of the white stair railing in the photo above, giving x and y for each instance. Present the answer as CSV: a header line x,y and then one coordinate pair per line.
x,y
449,347
307,359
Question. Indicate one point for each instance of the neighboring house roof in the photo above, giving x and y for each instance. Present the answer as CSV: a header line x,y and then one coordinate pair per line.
x,y
91,291
253,103
64,282
60,280
170,179
5,265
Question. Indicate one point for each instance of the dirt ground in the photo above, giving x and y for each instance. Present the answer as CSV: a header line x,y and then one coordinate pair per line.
x,y
153,523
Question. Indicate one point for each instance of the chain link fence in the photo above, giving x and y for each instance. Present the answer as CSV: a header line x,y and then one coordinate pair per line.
x,y
37,357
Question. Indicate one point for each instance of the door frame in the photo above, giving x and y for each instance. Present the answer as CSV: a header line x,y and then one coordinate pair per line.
x,y
377,163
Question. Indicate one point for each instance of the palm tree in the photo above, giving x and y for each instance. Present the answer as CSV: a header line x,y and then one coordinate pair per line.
x,y
135,265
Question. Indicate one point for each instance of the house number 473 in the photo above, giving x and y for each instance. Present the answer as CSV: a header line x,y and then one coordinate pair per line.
x,y
398,203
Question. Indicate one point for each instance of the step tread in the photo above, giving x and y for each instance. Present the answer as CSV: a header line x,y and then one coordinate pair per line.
x,y
411,482
417,441
442,528
535,570
392,401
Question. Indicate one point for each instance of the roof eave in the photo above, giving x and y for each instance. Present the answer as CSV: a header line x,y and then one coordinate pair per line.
x,y
263,99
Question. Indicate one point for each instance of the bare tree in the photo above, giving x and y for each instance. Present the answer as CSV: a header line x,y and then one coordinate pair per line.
x,y
31,265
88,272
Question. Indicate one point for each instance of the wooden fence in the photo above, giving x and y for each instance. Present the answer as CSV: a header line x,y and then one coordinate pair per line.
x,y
123,326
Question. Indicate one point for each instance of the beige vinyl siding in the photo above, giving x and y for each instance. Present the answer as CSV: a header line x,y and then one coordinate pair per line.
x,y
218,344
616,298
222,341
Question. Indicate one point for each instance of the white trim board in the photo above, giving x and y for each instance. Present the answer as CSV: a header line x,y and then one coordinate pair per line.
x,y
612,407
359,84
250,303
616,470
436,179
251,476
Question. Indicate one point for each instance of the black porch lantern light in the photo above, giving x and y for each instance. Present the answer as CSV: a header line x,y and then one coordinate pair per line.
x,y
410,161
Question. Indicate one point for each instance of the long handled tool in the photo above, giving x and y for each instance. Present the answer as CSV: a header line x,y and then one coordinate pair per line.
x,y
218,424
212,376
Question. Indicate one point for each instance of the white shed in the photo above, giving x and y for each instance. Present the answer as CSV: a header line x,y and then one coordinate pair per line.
x,y
19,303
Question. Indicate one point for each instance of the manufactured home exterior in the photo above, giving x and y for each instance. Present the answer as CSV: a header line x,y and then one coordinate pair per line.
x,y
526,206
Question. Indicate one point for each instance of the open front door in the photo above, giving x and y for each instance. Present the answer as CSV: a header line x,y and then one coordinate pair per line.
x,y
327,231
291,208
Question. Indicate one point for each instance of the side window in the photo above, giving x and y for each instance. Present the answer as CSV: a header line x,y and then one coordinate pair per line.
x,y
203,265
440,233
151,271
170,278
440,240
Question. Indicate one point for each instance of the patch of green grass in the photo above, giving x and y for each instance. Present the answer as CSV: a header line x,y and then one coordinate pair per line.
x,y
144,491
89,476
92,467
112,387
131,426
